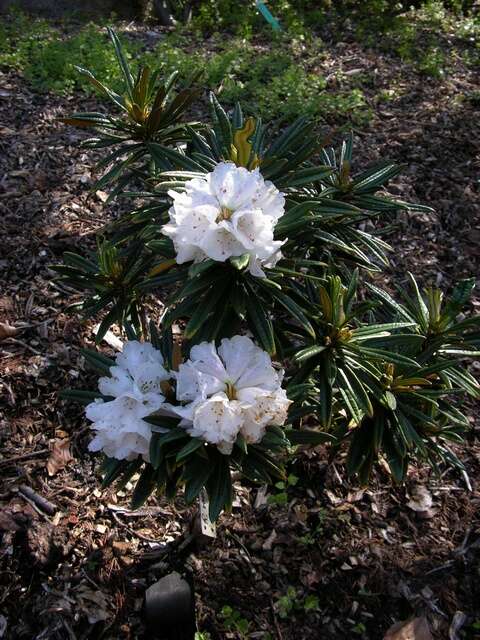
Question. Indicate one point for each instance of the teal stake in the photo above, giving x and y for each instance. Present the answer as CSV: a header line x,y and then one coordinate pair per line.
x,y
261,6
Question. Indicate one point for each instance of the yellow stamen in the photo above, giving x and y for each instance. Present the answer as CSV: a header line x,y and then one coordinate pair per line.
x,y
225,214
231,391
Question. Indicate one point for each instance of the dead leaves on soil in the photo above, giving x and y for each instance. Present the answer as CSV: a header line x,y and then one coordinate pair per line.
x,y
7,331
414,629
60,456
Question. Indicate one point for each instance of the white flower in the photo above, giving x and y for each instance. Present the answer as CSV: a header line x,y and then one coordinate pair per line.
x,y
134,384
229,212
228,391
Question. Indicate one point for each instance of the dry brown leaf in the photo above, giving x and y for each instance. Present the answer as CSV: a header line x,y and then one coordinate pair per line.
x,y
94,604
459,620
414,629
421,499
60,456
3,625
11,521
7,331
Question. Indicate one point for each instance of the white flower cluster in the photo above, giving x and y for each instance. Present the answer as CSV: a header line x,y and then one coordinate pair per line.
x,y
229,391
223,392
229,212
135,386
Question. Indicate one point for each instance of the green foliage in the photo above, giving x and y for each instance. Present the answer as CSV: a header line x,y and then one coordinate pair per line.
x,y
281,497
47,61
314,534
233,621
291,602
274,84
422,37
381,375
394,381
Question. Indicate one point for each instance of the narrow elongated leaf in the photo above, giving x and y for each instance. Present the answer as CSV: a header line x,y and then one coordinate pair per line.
x,y
163,155
196,474
202,312
219,487
309,352
117,99
260,323
111,470
378,330
308,436
294,310
98,360
223,121
361,449
420,306
371,181
189,448
357,388
115,315
122,62
80,262
144,487
326,394
395,457
84,397
383,355
393,304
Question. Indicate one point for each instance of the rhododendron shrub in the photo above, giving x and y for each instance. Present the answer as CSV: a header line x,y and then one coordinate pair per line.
x,y
265,251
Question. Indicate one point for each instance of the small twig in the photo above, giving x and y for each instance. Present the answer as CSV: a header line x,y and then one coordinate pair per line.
x,y
458,553
144,322
275,621
68,628
25,456
178,545
185,543
24,327
463,548
90,580
34,507
149,511
140,536
240,544
41,502
24,345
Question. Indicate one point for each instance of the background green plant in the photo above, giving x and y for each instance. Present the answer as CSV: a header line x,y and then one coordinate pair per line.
x,y
272,74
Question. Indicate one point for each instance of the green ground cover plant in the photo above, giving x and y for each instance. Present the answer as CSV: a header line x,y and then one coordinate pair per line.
x,y
269,72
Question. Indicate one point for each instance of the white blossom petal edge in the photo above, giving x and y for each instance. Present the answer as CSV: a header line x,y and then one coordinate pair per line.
x,y
230,390
229,212
134,385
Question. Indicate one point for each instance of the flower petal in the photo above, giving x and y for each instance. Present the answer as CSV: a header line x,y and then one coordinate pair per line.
x,y
219,243
232,185
217,420
193,384
238,354
119,382
205,359
135,354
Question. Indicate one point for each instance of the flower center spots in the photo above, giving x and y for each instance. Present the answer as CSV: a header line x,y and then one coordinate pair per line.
x,y
230,391
225,214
